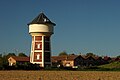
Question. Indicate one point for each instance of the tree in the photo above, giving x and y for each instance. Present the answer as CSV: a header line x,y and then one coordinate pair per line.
x,y
90,54
0,55
72,54
1,61
4,60
118,56
10,54
63,53
22,55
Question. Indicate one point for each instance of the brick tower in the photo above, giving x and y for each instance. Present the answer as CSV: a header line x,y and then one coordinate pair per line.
x,y
41,29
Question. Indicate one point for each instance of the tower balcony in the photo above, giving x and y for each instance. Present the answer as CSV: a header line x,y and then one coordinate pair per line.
x,y
41,28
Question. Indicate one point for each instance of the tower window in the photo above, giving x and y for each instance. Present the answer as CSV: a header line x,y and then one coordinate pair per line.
x,y
38,46
45,19
38,56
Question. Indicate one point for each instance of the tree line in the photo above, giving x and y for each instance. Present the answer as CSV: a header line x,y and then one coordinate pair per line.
x,y
87,54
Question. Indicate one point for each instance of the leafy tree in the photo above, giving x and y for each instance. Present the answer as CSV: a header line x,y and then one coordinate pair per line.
x,y
10,54
90,54
22,55
118,56
4,60
72,54
63,53
5,57
0,59
0,55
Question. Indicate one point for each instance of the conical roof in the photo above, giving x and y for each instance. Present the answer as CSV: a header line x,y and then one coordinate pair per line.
x,y
41,19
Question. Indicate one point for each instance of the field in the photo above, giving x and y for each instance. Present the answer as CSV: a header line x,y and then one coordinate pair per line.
x,y
59,75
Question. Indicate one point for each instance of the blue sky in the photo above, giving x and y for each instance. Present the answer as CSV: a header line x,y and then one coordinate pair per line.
x,y
82,26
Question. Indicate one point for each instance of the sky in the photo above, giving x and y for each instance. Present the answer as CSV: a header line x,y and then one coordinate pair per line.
x,y
82,26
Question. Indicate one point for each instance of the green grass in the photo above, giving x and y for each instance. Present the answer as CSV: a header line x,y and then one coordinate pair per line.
x,y
111,65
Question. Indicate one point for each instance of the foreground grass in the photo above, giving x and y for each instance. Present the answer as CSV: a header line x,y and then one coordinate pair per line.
x,y
59,75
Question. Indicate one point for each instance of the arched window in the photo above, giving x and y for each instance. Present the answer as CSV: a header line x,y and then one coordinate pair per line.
x,y
38,56
38,46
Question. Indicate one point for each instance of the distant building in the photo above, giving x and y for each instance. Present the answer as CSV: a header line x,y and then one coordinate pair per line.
x,y
68,60
65,61
77,60
15,59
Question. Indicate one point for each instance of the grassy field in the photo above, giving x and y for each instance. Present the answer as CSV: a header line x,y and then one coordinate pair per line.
x,y
59,75
111,65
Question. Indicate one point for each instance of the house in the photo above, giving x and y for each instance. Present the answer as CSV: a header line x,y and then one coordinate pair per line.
x,y
67,60
15,59
90,61
64,60
73,61
99,60
78,60
107,59
115,59
70,61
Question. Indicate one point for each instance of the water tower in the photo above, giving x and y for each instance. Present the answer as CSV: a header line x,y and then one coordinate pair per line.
x,y
41,29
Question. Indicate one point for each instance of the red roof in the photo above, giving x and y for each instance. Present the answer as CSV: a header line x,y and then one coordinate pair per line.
x,y
64,57
23,59
116,59
107,58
